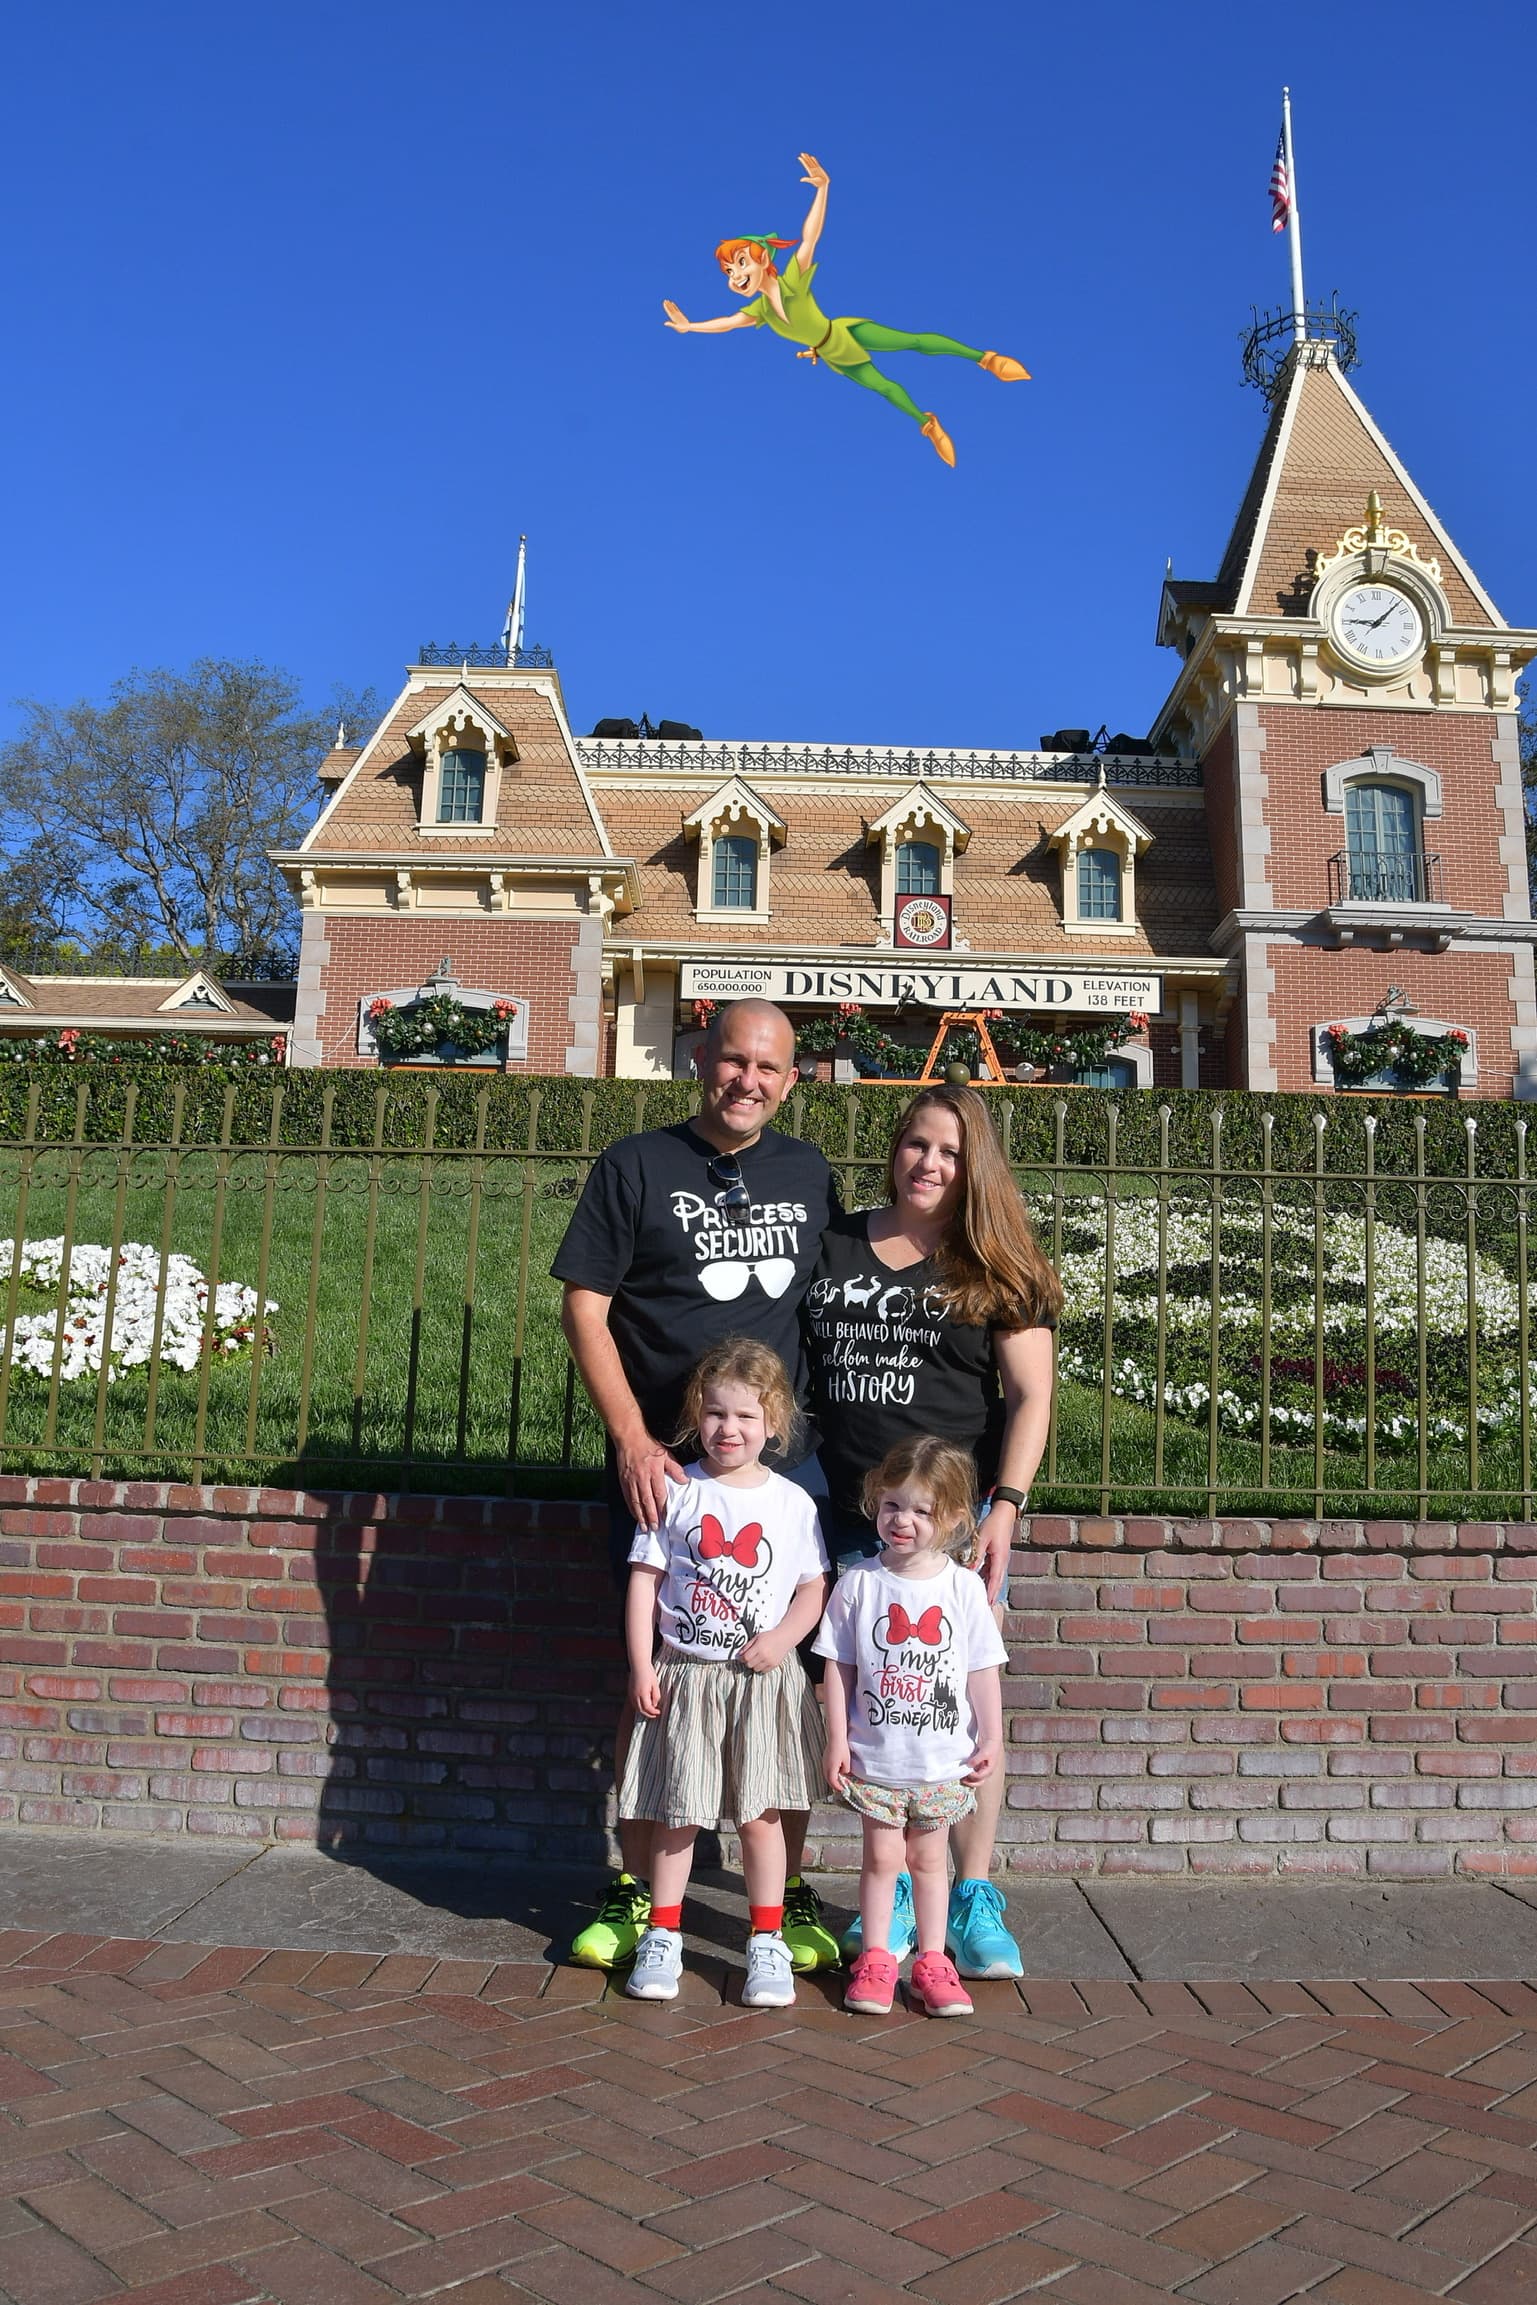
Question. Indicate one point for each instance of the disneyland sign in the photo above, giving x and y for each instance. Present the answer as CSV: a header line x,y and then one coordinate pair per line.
x,y
886,985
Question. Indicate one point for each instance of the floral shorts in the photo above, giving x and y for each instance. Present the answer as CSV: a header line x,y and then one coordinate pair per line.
x,y
924,1807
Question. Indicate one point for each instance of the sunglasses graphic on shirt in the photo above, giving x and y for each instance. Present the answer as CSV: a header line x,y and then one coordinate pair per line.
x,y
726,1281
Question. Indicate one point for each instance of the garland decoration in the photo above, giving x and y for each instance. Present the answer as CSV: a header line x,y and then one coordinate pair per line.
x,y
436,1025
72,1046
879,1054
1393,1046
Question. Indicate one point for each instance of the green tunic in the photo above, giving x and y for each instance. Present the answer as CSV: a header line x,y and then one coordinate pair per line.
x,y
805,322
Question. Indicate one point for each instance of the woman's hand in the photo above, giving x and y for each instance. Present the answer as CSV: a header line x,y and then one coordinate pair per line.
x,y
995,1539
766,1650
985,1759
646,1693
675,319
835,1764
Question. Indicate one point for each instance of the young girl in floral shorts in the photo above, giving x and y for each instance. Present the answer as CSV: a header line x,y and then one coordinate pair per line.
x,y
914,1708
727,1728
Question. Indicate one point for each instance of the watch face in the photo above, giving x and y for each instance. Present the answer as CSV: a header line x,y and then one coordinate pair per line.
x,y
1378,624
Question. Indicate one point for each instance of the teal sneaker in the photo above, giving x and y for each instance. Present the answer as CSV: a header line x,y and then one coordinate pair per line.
x,y
975,1936
904,1926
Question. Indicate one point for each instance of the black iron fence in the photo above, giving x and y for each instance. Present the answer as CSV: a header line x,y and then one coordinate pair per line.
x,y
1308,1316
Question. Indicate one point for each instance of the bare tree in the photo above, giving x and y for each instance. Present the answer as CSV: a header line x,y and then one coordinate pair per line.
x,y
153,813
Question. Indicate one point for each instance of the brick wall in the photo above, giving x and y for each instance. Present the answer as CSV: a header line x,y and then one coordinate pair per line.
x,y
1315,985
532,959
1232,1699
1300,745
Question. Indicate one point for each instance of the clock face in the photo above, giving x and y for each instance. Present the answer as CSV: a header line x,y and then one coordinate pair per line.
x,y
1377,624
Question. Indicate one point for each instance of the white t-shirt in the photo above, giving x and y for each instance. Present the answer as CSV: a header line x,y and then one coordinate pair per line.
x,y
731,1561
912,1641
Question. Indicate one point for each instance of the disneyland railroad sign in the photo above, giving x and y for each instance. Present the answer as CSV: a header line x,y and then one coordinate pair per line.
x,y
885,985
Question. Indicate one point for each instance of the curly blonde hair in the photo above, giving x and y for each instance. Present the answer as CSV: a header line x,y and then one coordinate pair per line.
x,y
950,1477
743,1361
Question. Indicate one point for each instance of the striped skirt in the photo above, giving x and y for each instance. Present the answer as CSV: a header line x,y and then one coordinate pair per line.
x,y
727,1745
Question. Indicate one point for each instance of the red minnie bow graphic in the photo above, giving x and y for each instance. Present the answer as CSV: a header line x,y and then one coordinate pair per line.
x,y
742,1548
929,1628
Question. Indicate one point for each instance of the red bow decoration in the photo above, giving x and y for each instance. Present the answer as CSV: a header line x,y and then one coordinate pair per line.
x,y
929,1628
742,1548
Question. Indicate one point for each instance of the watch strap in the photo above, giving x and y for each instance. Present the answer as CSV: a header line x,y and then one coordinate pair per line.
x,y
1014,1497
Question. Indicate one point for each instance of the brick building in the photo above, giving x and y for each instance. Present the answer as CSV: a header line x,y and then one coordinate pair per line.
x,y
1326,820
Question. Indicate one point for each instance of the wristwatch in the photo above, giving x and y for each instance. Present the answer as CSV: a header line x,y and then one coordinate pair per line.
x,y
1014,1497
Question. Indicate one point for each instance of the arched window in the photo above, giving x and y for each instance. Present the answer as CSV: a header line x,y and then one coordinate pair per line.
x,y
735,873
917,868
461,786
1382,844
1099,884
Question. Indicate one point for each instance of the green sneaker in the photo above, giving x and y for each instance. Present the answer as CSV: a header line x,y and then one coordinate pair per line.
x,y
811,1943
622,1920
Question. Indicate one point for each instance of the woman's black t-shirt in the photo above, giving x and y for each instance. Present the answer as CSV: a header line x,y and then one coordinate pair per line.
x,y
887,1360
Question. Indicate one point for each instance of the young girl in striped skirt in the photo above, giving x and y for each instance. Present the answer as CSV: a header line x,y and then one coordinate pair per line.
x,y
727,1729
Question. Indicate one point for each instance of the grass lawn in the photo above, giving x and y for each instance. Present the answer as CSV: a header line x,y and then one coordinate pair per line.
x,y
398,1357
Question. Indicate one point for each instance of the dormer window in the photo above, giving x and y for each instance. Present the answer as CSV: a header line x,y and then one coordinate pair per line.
x,y
737,831
1099,884
461,786
1099,846
735,876
919,838
465,751
918,867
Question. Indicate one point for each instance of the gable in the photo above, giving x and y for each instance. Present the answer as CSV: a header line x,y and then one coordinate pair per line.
x,y
1322,456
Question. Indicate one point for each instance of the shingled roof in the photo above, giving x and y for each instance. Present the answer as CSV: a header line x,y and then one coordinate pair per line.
x,y
1320,458
544,807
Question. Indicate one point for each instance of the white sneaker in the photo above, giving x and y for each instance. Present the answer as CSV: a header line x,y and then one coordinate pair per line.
x,y
658,1966
770,1977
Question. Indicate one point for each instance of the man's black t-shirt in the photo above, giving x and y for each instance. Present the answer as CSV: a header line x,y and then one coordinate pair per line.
x,y
650,1231
887,1361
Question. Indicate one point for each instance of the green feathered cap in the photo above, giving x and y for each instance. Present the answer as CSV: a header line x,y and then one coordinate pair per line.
x,y
760,239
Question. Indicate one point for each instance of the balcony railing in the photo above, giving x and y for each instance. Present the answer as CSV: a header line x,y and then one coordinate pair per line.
x,y
1412,878
483,652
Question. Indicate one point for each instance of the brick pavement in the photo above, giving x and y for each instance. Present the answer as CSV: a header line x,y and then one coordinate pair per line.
x,y
186,2126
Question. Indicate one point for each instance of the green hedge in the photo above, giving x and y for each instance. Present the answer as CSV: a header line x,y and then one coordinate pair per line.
x,y
393,1109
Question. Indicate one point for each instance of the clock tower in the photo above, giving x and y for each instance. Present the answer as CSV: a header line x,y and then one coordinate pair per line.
x,y
1348,689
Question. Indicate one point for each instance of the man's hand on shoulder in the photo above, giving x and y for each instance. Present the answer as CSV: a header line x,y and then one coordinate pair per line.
x,y
645,1469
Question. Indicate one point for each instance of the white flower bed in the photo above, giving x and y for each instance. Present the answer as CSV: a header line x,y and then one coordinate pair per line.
x,y
33,1342
1292,1336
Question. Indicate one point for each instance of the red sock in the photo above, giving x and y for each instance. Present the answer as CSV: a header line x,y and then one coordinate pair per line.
x,y
667,1916
765,1919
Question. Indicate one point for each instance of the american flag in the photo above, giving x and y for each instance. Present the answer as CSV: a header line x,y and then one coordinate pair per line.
x,y
1280,187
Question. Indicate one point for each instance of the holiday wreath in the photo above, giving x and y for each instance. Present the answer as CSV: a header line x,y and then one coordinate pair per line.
x,y
436,1024
1393,1047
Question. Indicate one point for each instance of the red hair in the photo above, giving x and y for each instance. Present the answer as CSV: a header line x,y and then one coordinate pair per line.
x,y
728,249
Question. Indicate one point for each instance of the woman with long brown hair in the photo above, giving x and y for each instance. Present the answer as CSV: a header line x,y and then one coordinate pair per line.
x,y
933,1314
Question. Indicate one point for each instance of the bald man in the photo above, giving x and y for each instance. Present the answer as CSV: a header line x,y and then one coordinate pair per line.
x,y
682,1236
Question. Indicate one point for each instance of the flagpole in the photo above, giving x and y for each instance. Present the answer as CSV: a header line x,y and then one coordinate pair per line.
x,y
1293,223
512,630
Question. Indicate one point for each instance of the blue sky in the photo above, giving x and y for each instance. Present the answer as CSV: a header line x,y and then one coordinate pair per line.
x,y
316,306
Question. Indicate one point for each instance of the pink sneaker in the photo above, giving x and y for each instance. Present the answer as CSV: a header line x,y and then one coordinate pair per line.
x,y
872,1985
936,1987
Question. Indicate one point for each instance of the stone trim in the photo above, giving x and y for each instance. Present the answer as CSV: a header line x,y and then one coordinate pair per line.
x,y
307,1046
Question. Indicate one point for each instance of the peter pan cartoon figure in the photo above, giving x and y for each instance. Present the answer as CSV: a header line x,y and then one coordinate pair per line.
x,y
788,305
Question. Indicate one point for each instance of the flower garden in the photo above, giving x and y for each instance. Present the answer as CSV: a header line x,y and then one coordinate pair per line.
x,y
1327,1294
159,1310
